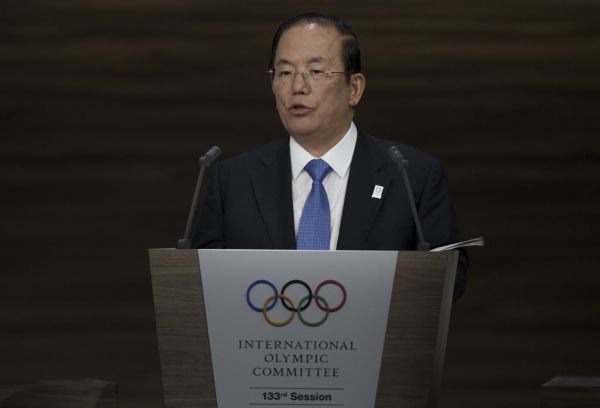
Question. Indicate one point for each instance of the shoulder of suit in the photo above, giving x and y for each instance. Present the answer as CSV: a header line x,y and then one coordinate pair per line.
x,y
257,156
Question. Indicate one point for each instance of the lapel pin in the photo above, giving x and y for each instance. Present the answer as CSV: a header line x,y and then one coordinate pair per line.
x,y
377,192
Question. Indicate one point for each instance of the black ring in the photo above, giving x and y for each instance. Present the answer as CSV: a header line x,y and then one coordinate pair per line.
x,y
310,295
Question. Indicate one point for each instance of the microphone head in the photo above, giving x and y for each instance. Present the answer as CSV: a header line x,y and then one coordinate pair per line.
x,y
397,157
210,156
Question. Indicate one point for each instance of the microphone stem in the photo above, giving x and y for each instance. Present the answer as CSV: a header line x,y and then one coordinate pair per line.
x,y
402,164
422,245
205,162
188,225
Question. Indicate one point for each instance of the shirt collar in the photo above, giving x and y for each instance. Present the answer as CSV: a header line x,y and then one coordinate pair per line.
x,y
338,157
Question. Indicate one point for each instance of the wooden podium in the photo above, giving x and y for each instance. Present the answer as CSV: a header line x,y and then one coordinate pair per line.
x,y
414,346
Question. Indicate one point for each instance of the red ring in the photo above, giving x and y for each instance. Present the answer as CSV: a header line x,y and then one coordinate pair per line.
x,y
339,285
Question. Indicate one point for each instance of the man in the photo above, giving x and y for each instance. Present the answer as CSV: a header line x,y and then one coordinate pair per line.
x,y
329,185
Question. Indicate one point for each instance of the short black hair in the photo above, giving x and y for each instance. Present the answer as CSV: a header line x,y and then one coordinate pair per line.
x,y
350,48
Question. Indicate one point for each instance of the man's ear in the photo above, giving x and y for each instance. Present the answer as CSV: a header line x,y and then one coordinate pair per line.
x,y
357,87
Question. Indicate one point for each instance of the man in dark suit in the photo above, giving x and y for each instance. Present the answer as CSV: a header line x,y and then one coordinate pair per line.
x,y
270,198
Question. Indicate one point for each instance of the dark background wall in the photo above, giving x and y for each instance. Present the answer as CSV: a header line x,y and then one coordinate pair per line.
x,y
106,105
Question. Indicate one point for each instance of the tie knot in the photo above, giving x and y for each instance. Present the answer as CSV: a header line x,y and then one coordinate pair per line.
x,y
317,169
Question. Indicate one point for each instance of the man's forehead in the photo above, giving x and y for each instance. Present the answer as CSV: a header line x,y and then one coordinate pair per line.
x,y
308,43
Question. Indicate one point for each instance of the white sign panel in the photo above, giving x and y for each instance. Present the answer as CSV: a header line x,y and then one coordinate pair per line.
x,y
296,328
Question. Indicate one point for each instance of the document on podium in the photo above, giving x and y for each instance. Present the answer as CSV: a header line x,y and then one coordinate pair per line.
x,y
470,242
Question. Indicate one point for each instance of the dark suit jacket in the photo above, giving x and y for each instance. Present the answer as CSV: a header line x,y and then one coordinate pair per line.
x,y
248,204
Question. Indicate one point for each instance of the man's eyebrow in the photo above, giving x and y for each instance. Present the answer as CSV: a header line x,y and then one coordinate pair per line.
x,y
282,61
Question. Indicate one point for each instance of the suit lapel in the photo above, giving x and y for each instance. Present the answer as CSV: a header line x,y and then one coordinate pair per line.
x,y
272,184
369,168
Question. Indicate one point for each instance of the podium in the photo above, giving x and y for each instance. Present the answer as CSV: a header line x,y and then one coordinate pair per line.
x,y
415,329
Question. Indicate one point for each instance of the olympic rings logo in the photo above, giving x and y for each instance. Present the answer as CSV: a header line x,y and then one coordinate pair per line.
x,y
271,301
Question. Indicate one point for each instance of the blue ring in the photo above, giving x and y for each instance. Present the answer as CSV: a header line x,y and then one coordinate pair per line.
x,y
258,282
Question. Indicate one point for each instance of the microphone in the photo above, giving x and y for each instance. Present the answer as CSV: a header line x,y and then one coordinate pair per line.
x,y
210,156
402,164
205,161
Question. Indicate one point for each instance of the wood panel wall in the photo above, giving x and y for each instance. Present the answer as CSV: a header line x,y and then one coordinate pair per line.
x,y
105,107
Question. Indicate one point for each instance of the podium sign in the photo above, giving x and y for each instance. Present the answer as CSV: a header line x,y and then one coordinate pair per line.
x,y
301,328
291,327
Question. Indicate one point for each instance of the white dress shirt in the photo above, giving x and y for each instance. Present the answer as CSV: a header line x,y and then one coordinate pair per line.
x,y
339,158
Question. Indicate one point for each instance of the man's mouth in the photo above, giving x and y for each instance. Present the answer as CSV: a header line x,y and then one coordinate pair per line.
x,y
299,109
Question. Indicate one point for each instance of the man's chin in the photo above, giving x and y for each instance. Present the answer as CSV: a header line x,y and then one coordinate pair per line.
x,y
297,130
304,136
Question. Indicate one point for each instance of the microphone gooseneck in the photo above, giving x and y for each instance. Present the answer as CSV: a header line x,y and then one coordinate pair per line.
x,y
402,164
205,161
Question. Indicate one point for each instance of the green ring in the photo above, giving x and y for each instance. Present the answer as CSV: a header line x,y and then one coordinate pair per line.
x,y
312,324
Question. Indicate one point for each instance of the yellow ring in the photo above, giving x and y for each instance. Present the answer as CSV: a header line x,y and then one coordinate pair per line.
x,y
266,315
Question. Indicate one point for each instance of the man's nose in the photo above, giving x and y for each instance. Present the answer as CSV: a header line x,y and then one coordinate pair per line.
x,y
300,82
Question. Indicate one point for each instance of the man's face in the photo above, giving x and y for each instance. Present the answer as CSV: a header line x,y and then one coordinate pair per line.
x,y
314,110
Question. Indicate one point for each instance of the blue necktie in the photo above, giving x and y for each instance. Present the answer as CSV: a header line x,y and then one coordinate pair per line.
x,y
314,231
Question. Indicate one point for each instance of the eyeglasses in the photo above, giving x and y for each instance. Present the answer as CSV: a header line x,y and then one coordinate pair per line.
x,y
287,74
